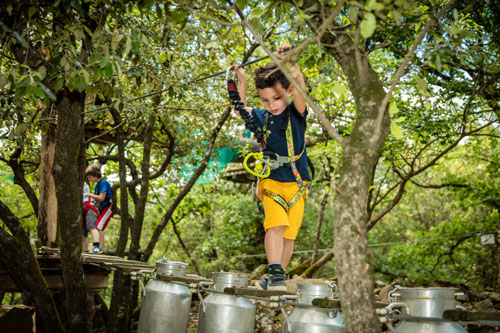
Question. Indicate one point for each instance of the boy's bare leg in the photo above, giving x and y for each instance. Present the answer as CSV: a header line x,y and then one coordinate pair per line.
x,y
95,235
273,243
101,238
288,245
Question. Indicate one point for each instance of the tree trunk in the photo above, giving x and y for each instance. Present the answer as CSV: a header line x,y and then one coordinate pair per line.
x,y
118,309
47,201
68,171
18,259
497,241
359,157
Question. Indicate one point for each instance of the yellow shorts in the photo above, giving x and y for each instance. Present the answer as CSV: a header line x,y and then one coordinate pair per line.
x,y
275,214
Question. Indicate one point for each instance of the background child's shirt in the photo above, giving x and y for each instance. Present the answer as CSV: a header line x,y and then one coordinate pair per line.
x,y
277,142
100,187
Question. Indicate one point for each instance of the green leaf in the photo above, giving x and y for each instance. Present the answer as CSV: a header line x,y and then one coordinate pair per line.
x,y
20,39
339,89
422,86
42,71
162,58
45,127
32,11
3,80
38,92
368,25
87,77
396,130
241,3
128,46
80,83
108,71
59,83
136,45
87,29
374,5
47,91
353,14
179,15
393,109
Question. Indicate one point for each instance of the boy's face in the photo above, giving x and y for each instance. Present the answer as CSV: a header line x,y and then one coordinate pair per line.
x,y
275,99
92,179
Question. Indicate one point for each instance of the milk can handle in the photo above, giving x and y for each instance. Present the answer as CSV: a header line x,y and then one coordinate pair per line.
x,y
289,328
394,293
398,305
202,301
333,286
395,305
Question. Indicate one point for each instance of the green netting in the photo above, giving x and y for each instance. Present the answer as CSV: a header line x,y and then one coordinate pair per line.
x,y
218,161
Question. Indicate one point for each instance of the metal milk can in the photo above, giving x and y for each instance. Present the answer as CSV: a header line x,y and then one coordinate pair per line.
x,y
425,302
313,319
220,313
165,306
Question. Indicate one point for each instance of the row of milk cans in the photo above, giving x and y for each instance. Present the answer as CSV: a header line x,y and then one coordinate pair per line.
x,y
166,307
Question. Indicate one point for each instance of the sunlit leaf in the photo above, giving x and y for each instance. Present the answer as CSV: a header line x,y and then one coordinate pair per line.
x,y
368,25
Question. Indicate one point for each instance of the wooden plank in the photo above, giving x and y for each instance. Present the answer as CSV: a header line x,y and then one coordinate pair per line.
x,y
460,315
254,292
335,303
183,279
93,282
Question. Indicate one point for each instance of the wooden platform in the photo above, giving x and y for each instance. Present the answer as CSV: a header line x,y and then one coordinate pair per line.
x,y
96,269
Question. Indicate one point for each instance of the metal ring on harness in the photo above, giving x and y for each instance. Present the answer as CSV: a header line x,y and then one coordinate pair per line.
x,y
261,169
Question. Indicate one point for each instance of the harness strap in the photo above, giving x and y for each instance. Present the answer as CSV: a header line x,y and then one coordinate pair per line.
x,y
88,205
282,202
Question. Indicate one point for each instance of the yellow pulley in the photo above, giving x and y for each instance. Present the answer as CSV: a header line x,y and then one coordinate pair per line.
x,y
261,169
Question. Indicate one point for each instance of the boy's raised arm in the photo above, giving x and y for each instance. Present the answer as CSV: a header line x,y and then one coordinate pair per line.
x,y
242,88
298,101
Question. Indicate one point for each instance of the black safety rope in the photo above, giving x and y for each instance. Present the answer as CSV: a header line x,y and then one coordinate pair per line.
x,y
250,122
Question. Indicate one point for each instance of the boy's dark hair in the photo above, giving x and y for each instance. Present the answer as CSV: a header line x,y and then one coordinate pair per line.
x,y
93,170
269,75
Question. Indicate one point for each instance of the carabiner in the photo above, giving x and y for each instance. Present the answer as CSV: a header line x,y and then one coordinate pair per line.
x,y
261,170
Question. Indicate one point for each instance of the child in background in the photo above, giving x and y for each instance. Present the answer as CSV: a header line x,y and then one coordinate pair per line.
x,y
102,196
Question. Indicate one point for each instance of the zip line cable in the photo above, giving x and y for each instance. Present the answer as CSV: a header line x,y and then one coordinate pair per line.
x,y
189,82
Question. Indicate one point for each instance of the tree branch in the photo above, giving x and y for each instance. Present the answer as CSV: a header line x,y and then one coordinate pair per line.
x,y
168,215
383,105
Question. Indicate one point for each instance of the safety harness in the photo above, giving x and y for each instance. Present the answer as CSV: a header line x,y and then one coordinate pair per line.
x,y
88,205
277,161
267,160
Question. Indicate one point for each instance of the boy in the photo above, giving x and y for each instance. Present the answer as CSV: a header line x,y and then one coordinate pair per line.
x,y
102,195
281,190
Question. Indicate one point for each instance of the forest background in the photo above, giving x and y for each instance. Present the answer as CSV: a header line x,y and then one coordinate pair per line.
x,y
402,128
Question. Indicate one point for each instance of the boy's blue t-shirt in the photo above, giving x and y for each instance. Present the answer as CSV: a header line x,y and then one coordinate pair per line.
x,y
277,142
100,187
